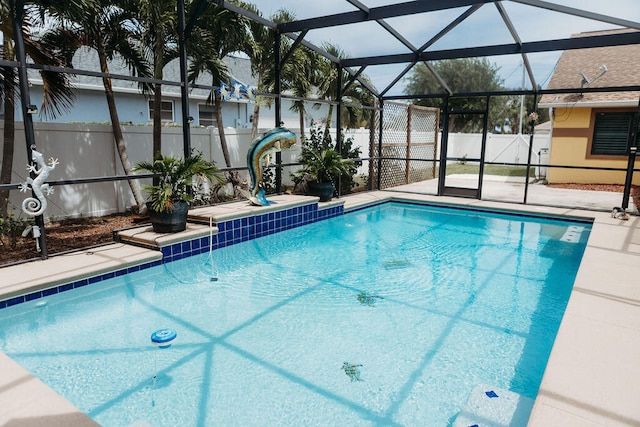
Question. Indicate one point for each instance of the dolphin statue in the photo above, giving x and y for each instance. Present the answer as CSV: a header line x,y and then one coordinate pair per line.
x,y
270,142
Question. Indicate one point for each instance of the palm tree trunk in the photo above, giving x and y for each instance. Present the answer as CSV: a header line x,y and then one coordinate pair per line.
x,y
119,138
9,132
223,139
327,127
303,138
256,119
158,63
157,119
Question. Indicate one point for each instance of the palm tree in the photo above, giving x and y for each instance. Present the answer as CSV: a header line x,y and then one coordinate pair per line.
x,y
295,74
260,49
109,28
158,19
219,32
58,94
326,81
299,75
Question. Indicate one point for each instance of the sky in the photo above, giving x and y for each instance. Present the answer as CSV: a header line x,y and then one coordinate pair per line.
x,y
483,27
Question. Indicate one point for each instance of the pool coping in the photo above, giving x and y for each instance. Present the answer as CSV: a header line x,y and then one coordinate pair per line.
x,y
592,376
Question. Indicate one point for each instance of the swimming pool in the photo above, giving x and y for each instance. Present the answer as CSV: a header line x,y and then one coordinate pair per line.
x,y
431,302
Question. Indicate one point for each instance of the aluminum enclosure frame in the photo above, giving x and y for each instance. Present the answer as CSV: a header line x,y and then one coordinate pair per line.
x,y
297,30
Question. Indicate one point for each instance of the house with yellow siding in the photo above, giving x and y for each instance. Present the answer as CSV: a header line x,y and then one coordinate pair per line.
x,y
591,129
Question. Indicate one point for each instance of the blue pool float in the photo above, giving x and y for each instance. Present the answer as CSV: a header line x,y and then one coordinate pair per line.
x,y
163,338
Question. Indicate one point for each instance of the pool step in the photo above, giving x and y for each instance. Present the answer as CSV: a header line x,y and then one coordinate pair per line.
x,y
493,407
573,234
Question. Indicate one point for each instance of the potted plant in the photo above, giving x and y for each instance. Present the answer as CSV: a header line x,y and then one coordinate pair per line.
x,y
168,200
321,169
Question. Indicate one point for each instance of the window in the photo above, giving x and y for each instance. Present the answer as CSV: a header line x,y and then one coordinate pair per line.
x,y
166,111
206,115
610,133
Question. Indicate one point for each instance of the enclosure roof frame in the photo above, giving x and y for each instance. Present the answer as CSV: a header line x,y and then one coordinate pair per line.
x,y
297,30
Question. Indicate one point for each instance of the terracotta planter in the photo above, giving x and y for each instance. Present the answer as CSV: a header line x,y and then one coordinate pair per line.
x,y
324,190
169,222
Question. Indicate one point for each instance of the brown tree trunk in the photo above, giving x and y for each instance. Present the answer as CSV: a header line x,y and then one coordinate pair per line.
x,y
8,145
158,63
303,138
157,119
256,119
327,128
9,128
223,139
118,137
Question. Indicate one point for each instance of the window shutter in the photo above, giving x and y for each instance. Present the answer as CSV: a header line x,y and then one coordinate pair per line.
x,y
610,133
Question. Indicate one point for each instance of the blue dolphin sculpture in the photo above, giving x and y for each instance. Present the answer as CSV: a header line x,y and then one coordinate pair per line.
x,y
275,140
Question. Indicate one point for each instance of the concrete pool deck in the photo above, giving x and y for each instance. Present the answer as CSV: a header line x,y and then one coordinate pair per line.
x,y
592,377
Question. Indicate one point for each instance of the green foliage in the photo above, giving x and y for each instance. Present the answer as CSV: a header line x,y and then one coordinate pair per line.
x,y
461,76
325,80
469,75
349,152
323,163
268,180
175,176
11,227
318,139
504,114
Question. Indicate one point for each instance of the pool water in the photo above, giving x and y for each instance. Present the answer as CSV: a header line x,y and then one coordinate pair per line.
x,y
425,303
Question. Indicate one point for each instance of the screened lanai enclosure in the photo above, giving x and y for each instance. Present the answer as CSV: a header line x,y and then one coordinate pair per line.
x,y
519,101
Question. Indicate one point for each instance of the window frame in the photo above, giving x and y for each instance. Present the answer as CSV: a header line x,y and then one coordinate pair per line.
x,y
163,102
212,109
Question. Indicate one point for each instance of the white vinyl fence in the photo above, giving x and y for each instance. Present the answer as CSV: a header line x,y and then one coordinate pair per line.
x,y
88,151
500,148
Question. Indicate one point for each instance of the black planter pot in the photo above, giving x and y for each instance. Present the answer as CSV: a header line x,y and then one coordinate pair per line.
x,y
324,190
169,222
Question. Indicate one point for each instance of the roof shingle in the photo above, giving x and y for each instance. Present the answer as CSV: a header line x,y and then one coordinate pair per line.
x,y
623,69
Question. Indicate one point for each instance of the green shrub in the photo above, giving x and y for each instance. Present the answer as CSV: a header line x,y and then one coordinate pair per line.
x,y
11,227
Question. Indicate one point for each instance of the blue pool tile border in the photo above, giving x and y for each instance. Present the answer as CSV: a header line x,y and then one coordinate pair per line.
x,y
74,285
229,233
242,229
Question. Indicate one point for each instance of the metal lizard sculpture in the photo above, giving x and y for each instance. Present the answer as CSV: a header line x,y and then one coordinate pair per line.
x,y
35,206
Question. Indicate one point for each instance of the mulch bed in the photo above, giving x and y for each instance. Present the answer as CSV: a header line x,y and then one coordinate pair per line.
x,y
67,235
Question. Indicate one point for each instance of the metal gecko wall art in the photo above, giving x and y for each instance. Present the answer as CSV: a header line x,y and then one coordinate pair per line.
x,y
34,206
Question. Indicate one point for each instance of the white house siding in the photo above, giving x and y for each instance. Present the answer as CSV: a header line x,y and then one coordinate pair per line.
x,y
90,105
